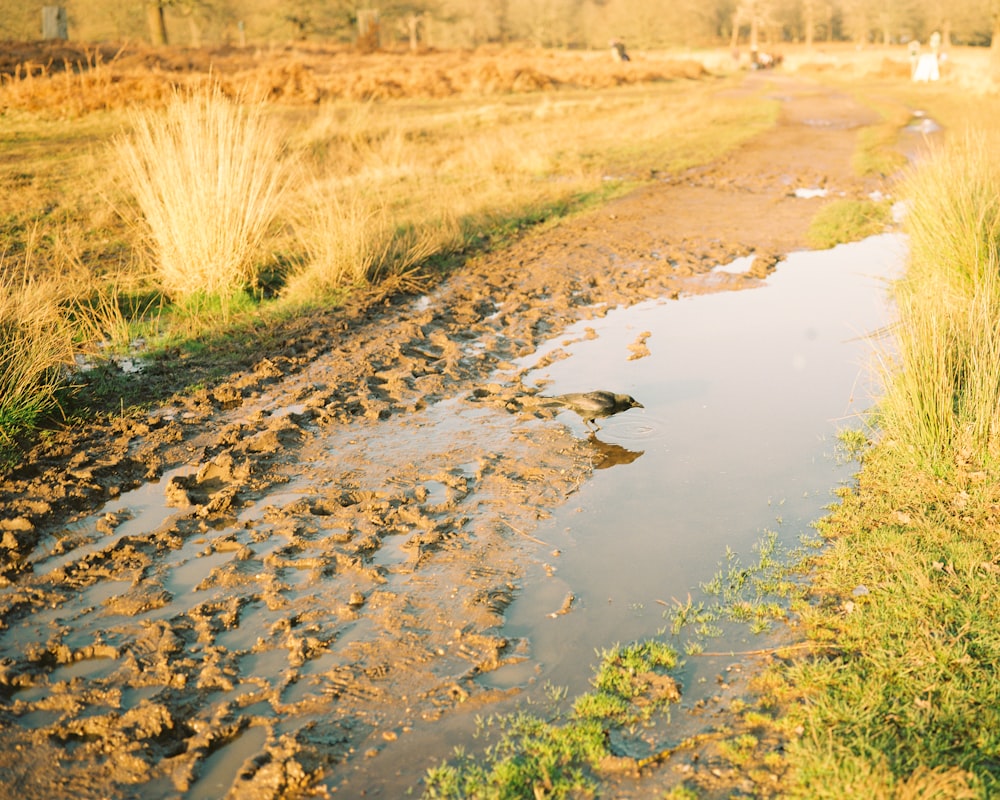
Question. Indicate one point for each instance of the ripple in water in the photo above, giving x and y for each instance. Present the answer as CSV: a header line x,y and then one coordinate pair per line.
x,y
632,426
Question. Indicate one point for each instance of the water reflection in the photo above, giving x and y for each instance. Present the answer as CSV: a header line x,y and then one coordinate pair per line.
x,y
608,454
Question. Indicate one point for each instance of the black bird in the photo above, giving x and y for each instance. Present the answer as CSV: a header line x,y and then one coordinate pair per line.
x,y
591,405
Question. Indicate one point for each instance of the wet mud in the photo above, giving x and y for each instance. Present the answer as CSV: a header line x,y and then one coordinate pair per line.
x,y
260,585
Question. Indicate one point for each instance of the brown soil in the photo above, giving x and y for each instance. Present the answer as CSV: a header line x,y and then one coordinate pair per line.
x,y
315,555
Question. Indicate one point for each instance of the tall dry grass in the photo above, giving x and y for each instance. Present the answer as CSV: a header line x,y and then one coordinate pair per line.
x,y
35,346
208,175
397,184
943,388
349,240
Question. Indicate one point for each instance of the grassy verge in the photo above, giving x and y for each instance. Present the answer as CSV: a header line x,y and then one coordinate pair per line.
x,y
845,220
901,697
209,219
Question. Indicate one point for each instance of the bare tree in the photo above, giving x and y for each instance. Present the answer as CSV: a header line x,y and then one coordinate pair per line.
x,y
747,13
196,12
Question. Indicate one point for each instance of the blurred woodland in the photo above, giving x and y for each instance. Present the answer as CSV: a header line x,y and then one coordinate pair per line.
x,y
424,24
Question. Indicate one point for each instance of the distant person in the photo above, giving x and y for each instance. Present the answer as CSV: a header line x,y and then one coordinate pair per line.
x,y
618,50
914,48
927,68
760,60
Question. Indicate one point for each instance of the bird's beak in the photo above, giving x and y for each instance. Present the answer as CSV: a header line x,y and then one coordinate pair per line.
x,y
638,405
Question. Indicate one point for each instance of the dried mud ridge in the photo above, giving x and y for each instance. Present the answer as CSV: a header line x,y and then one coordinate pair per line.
x,y
261,583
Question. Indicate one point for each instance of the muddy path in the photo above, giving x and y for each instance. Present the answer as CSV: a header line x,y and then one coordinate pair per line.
x,y
256,586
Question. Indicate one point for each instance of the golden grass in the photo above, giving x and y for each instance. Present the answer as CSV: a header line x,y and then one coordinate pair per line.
x,y
954,212
208,176
352,242
35,345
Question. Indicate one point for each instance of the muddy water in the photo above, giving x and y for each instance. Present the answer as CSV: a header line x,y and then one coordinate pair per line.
x,y
744,393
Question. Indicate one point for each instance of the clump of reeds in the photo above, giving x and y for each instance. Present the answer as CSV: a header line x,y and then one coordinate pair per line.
x,y
208,176
943,391
35,346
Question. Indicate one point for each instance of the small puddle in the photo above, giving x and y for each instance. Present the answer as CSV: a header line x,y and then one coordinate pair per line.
x,y
922,124
138,511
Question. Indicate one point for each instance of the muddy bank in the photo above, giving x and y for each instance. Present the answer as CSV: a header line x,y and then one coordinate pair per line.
x,y
258,585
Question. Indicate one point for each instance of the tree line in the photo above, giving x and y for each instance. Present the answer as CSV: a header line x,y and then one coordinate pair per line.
x,y
644,24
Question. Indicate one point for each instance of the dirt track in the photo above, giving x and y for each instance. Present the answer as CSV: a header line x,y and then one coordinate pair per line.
x,y
313,558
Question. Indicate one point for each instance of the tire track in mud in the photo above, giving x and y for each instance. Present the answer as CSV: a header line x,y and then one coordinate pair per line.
x,y
262,582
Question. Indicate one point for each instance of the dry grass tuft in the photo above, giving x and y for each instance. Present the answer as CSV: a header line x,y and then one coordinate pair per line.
x,y
35,346
208,178
350,242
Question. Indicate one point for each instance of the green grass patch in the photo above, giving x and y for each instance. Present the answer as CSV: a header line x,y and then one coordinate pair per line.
x,y
846,220
531,758
562,756
903,689
877,152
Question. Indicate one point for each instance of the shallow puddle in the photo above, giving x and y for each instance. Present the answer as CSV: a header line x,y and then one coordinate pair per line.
x,y
744,393
222,767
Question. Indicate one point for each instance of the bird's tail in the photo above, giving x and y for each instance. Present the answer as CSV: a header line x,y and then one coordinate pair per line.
x,y
540,401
